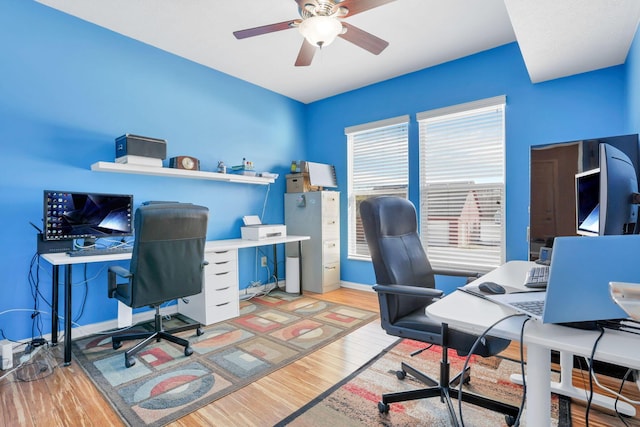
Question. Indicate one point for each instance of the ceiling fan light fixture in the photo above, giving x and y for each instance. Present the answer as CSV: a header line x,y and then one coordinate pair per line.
x,y
320,30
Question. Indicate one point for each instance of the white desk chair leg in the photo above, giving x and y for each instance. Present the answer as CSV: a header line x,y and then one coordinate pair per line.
x,y
566,388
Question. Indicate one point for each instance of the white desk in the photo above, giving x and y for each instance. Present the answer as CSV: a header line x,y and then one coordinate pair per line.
x,y
62,259
473,314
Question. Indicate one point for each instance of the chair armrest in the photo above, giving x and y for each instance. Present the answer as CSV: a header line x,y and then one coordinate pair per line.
x,y
112,283
470,275
457,273
415,291
120,271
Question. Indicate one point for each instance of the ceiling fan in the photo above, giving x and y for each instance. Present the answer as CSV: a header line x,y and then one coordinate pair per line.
x,y
321,22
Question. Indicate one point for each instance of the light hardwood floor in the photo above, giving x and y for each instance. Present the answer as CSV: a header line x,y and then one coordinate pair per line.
x,y
68,397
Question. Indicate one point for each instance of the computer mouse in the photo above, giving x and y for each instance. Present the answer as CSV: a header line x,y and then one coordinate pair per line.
x,y
491,288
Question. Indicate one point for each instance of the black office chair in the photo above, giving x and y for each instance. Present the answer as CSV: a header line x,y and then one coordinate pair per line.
x,y
167,263
405,284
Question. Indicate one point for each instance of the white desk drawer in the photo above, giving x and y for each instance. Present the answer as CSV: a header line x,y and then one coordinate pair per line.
x,y
217,256
222,311
221,293
220,271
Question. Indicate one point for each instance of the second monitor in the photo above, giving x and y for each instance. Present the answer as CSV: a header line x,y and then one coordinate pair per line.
x,y
604,204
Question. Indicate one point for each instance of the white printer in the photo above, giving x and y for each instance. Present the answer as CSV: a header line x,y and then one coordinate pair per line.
x,y
254,229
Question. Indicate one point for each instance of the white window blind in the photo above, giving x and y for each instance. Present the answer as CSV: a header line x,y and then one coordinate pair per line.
x,y
462,185
378,164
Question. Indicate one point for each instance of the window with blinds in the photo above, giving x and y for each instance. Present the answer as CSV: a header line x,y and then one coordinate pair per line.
x,y
378,164
462,185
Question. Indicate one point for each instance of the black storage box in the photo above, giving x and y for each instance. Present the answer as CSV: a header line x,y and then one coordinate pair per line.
x,y
143,146
53,246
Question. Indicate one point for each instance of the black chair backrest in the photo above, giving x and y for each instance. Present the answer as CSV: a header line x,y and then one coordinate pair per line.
x,y
168,252
390,227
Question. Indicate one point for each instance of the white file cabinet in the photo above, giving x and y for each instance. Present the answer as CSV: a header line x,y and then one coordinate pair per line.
x,y
316,214
219,299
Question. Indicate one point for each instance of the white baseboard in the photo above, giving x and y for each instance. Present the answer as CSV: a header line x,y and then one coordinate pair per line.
x,y
94,328
356,286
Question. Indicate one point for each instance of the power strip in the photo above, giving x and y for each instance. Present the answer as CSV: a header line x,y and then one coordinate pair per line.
x,y
28,356
7,357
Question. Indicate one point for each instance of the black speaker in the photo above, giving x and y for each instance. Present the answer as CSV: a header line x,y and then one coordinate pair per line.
x,y
143,146
53,246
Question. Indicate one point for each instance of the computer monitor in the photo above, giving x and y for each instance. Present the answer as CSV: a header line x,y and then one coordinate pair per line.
x,y
588,203
75,215
604,196
618,184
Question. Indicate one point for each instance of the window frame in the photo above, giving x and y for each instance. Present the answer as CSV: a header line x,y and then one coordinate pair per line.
x,y
388,153
467,232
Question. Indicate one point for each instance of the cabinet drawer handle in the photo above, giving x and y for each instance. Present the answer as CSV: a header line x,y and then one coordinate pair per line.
x,y
223,289
223,304
221,262
222,273
329,268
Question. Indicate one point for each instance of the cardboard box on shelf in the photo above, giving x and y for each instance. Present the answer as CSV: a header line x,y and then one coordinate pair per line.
x,y
299,183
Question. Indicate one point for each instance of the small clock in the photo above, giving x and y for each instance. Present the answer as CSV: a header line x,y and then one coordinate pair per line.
x,y
185,162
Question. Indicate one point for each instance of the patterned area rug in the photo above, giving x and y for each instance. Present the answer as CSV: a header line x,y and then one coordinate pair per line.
x,y
353,402
164,385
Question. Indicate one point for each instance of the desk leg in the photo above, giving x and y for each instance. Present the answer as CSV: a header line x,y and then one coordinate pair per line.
x,y
275,265
538,386
67,315
566,388
300,266
54,304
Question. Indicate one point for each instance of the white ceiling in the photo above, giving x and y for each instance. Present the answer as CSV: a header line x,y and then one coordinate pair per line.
x,y
557,38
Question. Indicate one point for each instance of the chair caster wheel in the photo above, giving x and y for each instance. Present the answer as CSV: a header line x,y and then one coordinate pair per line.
x,y
129,361
401,375
116,344
383,407
188,351
510,420
199,332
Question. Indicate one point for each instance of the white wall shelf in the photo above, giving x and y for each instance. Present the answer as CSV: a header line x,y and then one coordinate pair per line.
x,y
178,173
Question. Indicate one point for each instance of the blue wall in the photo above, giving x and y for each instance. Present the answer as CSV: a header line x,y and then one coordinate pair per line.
x,y
633,85
68,88
584,106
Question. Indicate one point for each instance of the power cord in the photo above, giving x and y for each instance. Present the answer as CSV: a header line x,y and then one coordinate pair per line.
x,y
522,373
86,293
34,284
478,340
591,374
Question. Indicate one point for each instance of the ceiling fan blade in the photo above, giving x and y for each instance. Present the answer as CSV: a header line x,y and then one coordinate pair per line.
x,y
250,32
305,56
363,39
357,6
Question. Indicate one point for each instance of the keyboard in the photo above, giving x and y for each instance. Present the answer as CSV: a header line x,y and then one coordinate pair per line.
x,y
533,307
537,277
101,251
